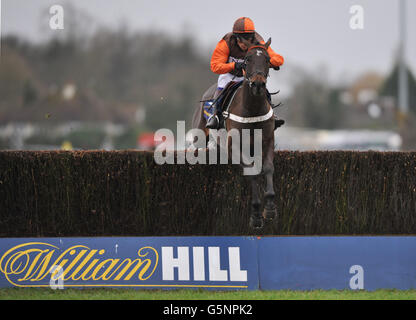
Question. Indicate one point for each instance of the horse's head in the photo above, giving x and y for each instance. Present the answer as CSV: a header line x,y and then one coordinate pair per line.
x,y
257,64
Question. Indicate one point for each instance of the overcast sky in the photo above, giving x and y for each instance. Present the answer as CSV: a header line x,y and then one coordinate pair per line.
x,y
307,33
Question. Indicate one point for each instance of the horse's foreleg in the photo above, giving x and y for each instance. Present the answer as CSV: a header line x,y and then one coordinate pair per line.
x,y
256,220
268,167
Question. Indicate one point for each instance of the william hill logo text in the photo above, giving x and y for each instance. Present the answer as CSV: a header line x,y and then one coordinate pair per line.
x,y
34,264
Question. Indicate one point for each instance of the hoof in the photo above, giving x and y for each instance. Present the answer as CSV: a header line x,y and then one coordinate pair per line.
x,y
256,222
269,214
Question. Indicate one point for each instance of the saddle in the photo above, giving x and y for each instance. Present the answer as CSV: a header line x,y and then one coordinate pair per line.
x,y
223,101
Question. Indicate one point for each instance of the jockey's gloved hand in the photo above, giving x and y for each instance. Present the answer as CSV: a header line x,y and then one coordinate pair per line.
x,y
239,66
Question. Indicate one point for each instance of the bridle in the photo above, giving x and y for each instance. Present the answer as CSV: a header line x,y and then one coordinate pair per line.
x,y
247,76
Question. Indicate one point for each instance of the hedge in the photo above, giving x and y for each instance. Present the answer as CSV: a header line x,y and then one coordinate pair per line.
x,y
125,193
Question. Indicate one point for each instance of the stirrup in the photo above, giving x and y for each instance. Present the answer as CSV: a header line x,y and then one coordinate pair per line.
x,y
213,122
278,123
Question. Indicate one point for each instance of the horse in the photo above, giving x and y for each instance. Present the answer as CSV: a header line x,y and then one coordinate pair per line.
x,y
250,109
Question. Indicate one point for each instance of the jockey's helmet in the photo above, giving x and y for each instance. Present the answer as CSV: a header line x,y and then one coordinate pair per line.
x,y
243,25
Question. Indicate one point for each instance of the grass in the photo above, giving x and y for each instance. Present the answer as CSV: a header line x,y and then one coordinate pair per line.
x,y
132,294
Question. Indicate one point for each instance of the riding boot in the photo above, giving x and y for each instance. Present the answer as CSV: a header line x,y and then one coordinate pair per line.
x,y
214,121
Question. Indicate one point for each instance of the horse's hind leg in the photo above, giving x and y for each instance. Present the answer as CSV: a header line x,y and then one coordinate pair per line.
x,y
269,212
256,220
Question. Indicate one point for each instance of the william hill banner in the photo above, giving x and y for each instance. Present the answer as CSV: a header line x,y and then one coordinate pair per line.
x,y
218,263
168,262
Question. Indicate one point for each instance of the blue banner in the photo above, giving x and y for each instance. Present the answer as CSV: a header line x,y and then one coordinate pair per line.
x,y
308,263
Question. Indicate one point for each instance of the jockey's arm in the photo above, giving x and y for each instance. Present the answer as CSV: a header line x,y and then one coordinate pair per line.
x,y
219,60
276,60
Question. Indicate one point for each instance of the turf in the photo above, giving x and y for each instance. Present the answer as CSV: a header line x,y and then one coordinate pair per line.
x,y
131,294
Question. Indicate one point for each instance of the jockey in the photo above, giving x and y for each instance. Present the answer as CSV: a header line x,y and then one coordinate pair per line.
x,y
228,60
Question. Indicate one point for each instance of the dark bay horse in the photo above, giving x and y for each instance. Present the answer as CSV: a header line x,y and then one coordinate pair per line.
x,y
250,109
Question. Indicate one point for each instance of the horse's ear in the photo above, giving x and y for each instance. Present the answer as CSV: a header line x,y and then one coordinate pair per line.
x,y
267,45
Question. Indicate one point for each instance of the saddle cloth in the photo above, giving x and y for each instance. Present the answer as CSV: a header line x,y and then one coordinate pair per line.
x,y
223,100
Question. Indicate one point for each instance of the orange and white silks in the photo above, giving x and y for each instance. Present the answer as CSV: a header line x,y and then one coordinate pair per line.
x,y
220,58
